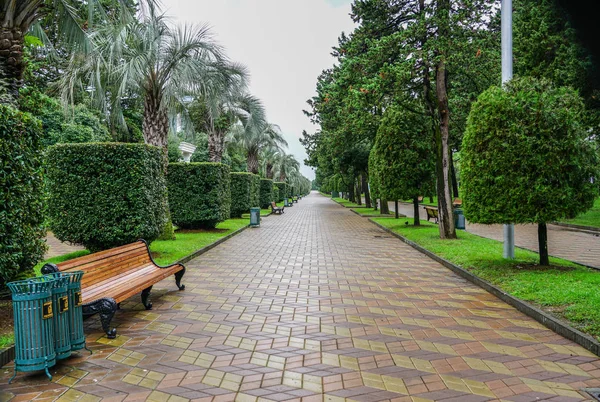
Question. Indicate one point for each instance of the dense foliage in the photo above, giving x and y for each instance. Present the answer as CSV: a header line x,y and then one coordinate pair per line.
x,y
21,205
245,193
103,195
276,197
266,193
199,194
526,156
283,190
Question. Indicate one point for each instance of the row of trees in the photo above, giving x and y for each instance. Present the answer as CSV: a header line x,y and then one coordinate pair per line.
x,y
117,71
394,108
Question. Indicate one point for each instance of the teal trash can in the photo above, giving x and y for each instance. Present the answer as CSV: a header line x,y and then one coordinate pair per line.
x,y
33,324
459,219
285,202
60,306
254,217
76,311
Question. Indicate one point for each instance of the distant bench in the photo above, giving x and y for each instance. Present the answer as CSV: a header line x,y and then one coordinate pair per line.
x,y
432,212
112,276
275,209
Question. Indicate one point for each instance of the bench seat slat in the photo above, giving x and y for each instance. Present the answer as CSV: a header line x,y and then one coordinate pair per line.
x,y
90,258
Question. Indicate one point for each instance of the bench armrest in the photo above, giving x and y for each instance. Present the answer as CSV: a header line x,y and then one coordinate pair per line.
x,y
154,262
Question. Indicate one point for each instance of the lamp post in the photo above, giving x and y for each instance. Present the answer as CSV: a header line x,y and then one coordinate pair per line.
x,y
507,74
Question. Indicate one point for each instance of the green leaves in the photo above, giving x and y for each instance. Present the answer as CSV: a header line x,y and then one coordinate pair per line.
x,y
245,193
104,195
21,202
199,194
526,156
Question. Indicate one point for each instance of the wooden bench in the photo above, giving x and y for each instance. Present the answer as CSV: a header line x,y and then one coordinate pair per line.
x,y
295,199
275,209
114,275
432,212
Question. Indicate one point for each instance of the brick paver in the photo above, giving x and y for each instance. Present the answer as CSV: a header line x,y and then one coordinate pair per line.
x,y
572,245
318,305
56,247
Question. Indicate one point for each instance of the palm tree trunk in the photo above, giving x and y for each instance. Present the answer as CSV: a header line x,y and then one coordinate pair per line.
x,y
253,162
215,146
155,126
269,171
12,64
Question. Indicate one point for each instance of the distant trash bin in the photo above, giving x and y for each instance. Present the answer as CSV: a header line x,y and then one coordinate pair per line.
x,y
33,324
459,219
285,202
254,217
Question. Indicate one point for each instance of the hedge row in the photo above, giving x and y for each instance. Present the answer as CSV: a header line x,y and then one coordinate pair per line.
x,y
103,195
266,193
283,190
245,193
199,194
21,218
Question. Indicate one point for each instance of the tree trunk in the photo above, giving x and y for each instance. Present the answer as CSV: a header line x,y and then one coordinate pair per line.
x,y
253,162
269,171
385,208
443,152
12,64
396,209
416,218
155,126
351,193
365,186
543,244
216,141
454,179
358,191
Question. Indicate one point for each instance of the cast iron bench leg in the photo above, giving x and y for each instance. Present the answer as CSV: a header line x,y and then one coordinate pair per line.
x,y
145,295
106,307
178,276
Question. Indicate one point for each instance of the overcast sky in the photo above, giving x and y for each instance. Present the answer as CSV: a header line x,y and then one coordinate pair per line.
x,y
284,43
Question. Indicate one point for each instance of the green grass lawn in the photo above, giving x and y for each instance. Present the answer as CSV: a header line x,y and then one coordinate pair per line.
x,y
371,211
566,289
347,203
589,218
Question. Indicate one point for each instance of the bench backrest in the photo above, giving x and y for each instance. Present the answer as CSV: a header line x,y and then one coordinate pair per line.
x,y
273,205
99,266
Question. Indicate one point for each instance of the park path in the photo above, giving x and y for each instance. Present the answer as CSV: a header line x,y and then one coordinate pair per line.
x,y
318,304
573,245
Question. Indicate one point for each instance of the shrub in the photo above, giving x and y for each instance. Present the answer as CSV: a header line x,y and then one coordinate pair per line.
x,y
21,219
527,158
276,194
283,190
266,193
245,193
199,194
103,195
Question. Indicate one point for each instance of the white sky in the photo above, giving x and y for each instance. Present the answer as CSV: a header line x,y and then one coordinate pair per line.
x,y
284,43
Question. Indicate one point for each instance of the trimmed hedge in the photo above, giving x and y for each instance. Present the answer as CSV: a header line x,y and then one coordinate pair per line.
x,y
283,190
199,194
21,202
104,195
245,193
276,194
266,193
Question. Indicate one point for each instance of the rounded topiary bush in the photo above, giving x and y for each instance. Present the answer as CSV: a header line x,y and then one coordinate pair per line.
x,y
283,190
199,194
21,218
245,193
103,195
266,193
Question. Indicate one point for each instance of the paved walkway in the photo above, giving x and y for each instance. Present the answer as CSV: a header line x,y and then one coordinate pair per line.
x,y
578,246
318,305
56,247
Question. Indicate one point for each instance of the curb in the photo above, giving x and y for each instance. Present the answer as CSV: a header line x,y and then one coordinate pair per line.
x,y
342,205
7,355
578,228
540,316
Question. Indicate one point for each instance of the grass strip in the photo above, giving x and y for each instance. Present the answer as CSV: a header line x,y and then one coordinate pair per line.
x,y
372,212
565,289
346,203
589,218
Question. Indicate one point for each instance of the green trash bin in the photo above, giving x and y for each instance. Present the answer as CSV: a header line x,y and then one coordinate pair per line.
x,y
459,219
33,324
254,217
76,311
60,306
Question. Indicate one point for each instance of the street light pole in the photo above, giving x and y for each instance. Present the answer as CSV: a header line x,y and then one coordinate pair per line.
x,y
507,74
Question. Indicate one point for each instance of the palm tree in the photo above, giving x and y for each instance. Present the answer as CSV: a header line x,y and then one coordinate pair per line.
x,y
286,164
268,159
163,64
17,17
